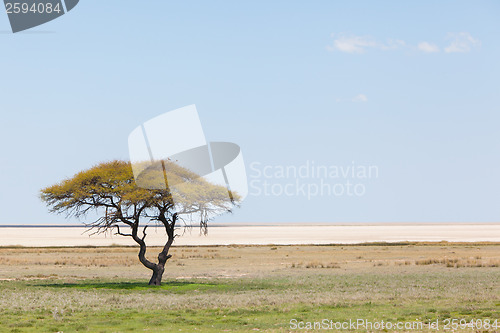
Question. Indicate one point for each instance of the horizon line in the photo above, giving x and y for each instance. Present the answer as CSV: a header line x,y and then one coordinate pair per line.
x,y
262,224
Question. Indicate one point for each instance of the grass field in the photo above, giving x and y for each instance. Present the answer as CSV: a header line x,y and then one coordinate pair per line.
x,y
248,288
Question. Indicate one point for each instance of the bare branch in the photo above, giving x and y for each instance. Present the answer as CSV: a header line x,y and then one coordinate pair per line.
x,y
121,234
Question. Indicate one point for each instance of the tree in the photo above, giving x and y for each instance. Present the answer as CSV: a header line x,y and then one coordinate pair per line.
x,y
111,190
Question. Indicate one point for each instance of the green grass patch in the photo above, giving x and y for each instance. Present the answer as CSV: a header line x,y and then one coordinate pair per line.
x,y
171,286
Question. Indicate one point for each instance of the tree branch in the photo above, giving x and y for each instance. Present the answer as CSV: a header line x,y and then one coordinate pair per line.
x,y
142,251
121,234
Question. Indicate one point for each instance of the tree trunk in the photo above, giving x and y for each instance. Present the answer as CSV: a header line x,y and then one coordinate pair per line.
x,y
160,266
157,275
163,256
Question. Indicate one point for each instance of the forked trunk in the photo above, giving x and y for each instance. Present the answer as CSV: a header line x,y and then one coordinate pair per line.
x,y
163,256
157,275
159,268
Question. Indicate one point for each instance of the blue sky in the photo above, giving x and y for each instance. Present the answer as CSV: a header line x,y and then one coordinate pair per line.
x,y
411,88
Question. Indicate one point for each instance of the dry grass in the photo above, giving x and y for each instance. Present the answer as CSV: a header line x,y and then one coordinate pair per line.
x,y
460,262
315,264
235,262
258,259
405,281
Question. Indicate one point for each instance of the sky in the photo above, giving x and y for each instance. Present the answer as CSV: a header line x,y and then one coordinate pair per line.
x,y
408,90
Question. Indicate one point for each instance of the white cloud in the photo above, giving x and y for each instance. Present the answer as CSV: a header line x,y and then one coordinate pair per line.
x,y
351,44
392,44
359,44
461,42
360,98
356,99
428,47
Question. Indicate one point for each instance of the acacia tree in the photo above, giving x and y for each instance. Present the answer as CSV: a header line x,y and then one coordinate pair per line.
x,y
110,189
